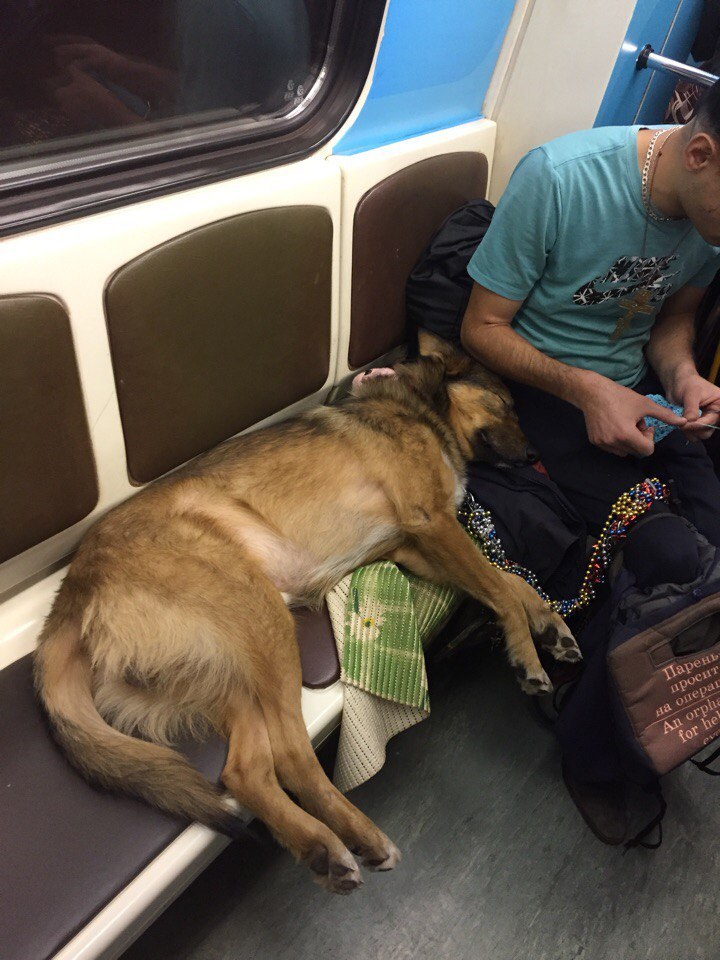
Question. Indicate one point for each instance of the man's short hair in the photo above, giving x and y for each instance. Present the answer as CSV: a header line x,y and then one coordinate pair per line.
x,y
707,115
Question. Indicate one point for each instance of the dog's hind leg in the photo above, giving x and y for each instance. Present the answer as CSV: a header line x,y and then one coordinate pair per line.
x,y
298,769
300,772
249,775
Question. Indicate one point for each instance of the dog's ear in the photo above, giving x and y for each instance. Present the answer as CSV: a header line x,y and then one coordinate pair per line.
x,y
454,360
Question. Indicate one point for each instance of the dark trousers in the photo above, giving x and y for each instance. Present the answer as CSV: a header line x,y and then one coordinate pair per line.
x,y
592,480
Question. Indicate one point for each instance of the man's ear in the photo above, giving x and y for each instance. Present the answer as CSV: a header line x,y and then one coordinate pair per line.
x,y
700,151
453,359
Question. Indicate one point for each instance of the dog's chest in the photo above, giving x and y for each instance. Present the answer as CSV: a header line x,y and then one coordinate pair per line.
x,y
458,480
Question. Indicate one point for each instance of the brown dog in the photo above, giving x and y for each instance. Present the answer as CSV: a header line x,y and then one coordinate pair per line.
x,y
174,613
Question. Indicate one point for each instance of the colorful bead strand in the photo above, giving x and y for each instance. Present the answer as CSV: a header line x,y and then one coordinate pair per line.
x,y
626,511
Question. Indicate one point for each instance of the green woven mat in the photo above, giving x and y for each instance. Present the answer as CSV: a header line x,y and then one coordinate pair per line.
x,y
389,616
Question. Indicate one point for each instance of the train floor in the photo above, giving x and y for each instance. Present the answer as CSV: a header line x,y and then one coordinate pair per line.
x,y
497,863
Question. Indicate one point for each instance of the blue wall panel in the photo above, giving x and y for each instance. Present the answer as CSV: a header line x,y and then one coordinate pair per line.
x,y
641,96
433,69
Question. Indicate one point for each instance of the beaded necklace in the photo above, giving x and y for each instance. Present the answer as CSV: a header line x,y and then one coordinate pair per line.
x,y
626,511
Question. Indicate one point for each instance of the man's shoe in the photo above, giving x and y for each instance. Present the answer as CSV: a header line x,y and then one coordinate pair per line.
x,y
603,807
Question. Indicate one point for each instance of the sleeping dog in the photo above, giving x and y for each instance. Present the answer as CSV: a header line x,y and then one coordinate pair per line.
x,y
174,613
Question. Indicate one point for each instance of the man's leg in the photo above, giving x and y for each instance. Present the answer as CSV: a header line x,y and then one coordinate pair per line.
x,y
660,548
667,552
694,482
687,467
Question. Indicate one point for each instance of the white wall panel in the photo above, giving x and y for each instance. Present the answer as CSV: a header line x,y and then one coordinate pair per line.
x,y
557,77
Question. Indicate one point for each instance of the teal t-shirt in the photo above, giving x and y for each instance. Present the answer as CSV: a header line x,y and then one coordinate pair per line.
x,y
568,239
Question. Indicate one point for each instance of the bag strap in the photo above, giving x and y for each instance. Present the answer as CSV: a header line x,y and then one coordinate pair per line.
x,y
704,765
639,840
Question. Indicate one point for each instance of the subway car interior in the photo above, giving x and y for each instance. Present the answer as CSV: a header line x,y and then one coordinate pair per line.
x,y
325,540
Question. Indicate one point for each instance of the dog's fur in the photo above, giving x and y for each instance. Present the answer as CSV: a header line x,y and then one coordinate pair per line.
x,y
174,613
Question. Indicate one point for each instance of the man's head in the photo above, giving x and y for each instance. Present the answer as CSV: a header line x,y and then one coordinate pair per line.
x,y
698,167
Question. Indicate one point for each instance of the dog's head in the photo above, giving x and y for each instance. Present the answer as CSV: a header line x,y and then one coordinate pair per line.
x,y
475,403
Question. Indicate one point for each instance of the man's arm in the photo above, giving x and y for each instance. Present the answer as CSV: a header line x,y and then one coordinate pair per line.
x,y
613,414
487,335
670,354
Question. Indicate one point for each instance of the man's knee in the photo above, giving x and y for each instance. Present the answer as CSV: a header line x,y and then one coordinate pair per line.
x,y
661,548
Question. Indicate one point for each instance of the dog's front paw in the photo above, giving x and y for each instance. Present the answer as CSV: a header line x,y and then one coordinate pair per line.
x,y
534,681
558,640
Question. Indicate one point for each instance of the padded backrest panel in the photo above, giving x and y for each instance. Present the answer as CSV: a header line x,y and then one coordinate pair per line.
x,y
393,223
217,329
47,470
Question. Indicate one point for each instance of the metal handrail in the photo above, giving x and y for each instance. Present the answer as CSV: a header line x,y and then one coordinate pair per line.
x,y
648,59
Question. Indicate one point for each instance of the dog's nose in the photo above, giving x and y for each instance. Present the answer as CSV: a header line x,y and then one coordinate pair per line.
x,y
531,454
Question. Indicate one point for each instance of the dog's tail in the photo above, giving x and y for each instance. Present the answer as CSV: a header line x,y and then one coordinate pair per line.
x,y
107,757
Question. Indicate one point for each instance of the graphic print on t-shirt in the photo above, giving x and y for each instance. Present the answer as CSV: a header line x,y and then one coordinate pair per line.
x,y
627,275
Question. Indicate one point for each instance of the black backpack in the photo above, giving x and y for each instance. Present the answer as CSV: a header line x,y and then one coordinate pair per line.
x,y
438,289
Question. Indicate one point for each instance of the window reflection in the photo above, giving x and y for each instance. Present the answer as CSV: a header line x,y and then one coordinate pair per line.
x,y
78,67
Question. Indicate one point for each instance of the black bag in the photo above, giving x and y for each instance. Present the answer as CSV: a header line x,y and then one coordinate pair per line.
x,y
438,289
649,696
536,524
706,43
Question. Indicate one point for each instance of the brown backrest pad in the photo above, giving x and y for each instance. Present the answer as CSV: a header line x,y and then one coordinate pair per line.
x,y
393,223
47,470
217,329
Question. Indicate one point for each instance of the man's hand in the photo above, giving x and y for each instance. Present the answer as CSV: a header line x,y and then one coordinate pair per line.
x,y
615,417
696,394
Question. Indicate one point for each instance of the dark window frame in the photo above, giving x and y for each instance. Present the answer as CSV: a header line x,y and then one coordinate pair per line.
x,y
69,185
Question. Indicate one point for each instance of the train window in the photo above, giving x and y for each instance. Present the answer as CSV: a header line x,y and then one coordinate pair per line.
x,y
82,67
88,87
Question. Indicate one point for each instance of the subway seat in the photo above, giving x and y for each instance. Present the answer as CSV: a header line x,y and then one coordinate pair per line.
x,y
67,848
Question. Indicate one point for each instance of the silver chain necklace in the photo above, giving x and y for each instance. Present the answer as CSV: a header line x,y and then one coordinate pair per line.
x,y
642,295
647,201
646,191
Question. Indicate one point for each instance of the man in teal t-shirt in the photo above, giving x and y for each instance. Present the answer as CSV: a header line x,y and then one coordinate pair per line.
x,y
587,283
572,244
586,288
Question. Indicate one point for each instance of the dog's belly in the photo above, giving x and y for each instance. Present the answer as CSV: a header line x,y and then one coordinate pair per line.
x,y
304,575
336,541
372,543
